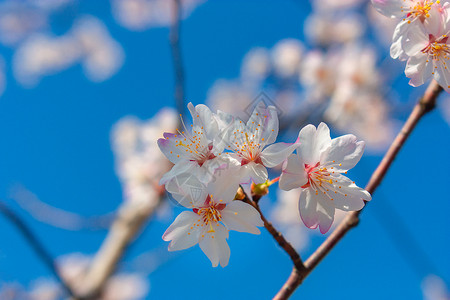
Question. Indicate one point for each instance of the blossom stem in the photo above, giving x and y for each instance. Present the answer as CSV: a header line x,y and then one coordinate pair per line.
x,y
36,244
282,242
424,105
174,39
273,181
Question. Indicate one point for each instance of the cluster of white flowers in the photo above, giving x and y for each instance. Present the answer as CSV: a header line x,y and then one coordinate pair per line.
x,y
221,152
21,19
324,85
87,43
421,37
144,14
139,163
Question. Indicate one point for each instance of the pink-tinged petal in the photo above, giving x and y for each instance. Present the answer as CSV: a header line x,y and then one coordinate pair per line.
x,y
275,154
389,8
307,206
325,214
419,69
182,233
178,169
187,190
170,150
215,246
253,172
293,175
416,39
313,142
242,217
343,154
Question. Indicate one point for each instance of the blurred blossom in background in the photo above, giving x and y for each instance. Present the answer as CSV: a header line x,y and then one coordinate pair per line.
x,y
87,88
87,43
144,14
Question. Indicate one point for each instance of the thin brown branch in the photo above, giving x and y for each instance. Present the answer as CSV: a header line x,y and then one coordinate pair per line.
x,y
425,104
35,244
279,238
57,217
174,38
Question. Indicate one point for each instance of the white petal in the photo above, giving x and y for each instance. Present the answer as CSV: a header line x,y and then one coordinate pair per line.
x,y
204,119
434,24
224,185
419,69
345,151
242,217
348,196
182,233
182,166
293,175
442,73
167,145
275,154
326,216
313,142
307,206
389,8
187,190
215,246
267,118
253,172
398,39
416,39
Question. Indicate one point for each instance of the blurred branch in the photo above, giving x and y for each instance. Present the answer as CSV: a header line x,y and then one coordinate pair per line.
x,y
130,219
35,244
424,105
174,38
282,242
403,239
57,217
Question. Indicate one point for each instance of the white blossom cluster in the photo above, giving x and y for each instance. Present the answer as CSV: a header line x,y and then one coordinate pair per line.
x,y
221,153
143,14
421,38
139,163
88,43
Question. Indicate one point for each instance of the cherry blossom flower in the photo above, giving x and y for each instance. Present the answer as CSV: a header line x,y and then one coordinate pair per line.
x,y
428,49
213,213
420,12
198,152
251,144
317,170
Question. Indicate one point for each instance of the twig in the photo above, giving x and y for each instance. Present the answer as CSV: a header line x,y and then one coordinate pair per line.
x,y
125,228
174,38
282,242
57,217
35,244
425,104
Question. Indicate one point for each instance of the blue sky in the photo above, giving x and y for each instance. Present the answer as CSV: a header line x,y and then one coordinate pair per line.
x,y
56,142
